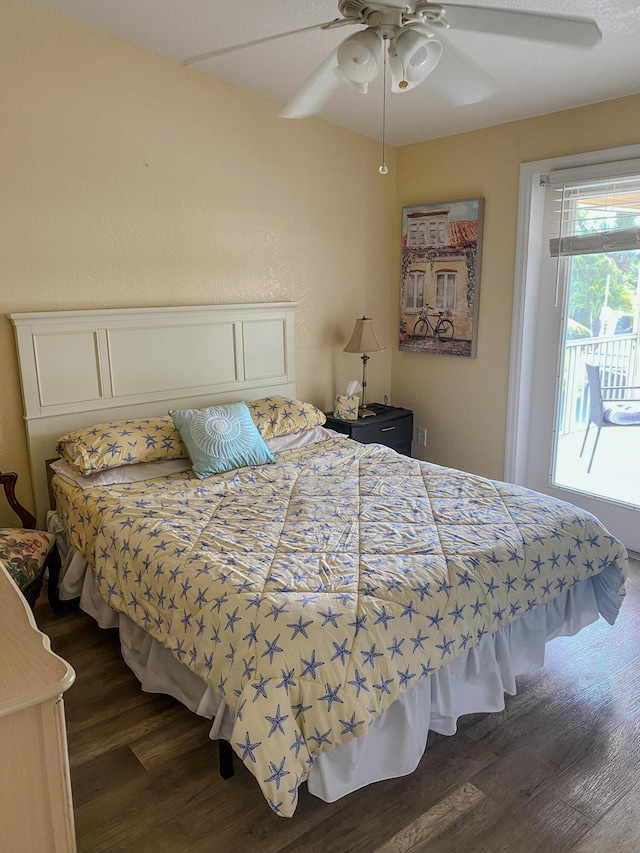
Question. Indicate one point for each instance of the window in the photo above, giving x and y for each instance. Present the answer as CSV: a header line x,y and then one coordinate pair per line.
x,y
414,295
429,232
446,281
595,216
591,216
417,234
597,223
437,232
538,343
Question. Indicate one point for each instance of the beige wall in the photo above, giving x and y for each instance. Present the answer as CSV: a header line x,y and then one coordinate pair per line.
x,y
128,180
463,402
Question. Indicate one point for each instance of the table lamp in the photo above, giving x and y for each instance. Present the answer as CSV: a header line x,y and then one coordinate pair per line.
x,y
364,340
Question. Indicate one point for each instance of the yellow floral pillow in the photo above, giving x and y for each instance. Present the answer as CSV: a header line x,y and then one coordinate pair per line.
x,y
110,445
278,415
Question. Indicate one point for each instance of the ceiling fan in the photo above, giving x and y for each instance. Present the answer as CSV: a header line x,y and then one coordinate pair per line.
x,y
408,32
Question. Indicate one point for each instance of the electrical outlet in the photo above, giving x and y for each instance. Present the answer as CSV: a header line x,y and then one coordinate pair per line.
x,y
422,436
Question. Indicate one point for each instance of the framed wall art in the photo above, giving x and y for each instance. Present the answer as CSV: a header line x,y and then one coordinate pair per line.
x,y
440,278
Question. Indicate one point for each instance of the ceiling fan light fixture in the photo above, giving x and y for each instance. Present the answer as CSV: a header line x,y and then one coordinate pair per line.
x,y
412,58
361,88
420,57
406,29
358,56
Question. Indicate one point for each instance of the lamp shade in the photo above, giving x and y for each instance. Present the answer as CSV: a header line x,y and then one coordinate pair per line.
x,y
358,56
364,337
411,59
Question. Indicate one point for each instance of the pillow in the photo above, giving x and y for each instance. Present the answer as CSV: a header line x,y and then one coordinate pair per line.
x,y
279,415
220,438
295,440
622,413
123,474
110,445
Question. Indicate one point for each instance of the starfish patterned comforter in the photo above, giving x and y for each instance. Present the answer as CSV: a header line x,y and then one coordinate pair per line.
x,y
311,593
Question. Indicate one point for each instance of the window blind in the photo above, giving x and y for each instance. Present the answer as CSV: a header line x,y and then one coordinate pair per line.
x,y
595,212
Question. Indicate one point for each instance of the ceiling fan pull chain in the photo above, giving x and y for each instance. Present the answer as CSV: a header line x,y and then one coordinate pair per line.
x,y
383,168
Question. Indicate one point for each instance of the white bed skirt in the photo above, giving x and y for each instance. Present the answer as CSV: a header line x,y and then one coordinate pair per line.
x,y
474,682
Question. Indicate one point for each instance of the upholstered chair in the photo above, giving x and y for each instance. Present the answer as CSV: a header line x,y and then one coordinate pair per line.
x,y
26,552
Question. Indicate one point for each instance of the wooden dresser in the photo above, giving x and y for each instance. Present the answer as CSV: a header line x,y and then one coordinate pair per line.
x,y
36,812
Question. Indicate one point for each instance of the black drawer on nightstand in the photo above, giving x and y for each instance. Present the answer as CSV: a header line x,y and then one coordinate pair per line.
x,y
390,426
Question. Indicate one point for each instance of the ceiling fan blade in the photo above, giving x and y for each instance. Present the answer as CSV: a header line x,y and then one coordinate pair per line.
x,y
562,29
459,80
202,57
315,91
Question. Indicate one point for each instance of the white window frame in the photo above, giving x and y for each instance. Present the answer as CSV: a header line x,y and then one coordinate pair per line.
x,y
446,290
416,281
430,232
533,177
437,234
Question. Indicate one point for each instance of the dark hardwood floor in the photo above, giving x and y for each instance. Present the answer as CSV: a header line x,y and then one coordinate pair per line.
x,y
558,770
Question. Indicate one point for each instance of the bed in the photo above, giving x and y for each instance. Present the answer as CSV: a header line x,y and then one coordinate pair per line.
x,y
328,605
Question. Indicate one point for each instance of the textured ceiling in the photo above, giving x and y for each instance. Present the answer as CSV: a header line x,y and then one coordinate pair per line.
x,y
528,78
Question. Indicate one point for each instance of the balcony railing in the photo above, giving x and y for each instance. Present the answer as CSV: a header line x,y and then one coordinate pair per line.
x,y
617,357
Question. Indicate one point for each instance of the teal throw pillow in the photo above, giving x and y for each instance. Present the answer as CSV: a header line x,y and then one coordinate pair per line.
x,y
221,438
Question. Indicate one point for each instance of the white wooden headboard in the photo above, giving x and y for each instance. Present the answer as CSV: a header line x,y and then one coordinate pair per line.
x,y
83,367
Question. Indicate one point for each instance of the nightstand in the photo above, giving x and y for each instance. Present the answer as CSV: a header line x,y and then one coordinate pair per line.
x,y
390,426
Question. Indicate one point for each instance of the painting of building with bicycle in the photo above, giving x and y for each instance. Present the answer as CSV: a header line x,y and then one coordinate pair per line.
x,y
441,277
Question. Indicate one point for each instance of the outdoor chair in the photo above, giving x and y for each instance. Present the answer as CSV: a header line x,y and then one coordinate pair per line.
x,y
607,408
